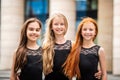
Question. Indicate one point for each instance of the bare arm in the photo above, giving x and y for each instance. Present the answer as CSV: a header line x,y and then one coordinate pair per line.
x,y
13,75
73,42
103,63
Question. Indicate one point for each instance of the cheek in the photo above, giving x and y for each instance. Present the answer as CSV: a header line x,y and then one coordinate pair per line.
x,y
65,30
38,34
53,26
95,33
28,33
82,32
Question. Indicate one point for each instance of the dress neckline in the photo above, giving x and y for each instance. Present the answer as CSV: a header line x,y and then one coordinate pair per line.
x,y
34,49
89,47
61,43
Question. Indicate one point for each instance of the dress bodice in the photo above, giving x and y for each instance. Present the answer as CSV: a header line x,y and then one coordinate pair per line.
x,y
61,53
32,70
89,62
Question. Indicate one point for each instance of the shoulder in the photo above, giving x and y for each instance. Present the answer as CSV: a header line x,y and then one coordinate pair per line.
x,y
40,48
72,42
101,51
14,53
68,41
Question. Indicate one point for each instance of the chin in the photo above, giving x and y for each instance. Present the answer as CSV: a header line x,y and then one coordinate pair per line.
x,y
33,40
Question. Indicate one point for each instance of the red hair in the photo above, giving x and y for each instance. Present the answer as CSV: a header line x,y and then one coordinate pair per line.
x,y
71,65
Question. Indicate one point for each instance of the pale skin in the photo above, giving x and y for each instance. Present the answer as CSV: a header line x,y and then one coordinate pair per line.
x,y
98,75
102,63
88,33
58,27
13,75
33,33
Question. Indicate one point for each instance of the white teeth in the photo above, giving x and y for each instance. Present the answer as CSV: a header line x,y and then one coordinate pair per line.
x,y
32,34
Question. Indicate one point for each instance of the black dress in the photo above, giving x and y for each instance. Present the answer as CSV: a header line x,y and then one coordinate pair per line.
x,y
32,70
61,53
89,62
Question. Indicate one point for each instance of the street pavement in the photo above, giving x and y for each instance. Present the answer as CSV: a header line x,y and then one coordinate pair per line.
x,y
5,74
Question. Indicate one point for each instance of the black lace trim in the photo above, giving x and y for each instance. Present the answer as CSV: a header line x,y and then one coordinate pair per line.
x,y
66,45
92,50
34,52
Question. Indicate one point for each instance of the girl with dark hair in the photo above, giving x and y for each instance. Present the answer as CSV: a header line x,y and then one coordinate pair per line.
x,y
27,60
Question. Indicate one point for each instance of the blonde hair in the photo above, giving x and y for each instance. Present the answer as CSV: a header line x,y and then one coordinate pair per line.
x,y
71,66
20,58
48,43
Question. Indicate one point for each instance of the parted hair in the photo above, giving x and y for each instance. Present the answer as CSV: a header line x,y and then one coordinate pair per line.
x,y
71,65
20,53
49,42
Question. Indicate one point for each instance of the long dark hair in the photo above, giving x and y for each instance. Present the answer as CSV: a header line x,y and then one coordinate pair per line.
x,y
20,58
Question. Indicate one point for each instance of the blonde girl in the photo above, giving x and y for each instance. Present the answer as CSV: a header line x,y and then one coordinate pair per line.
x,y
55,47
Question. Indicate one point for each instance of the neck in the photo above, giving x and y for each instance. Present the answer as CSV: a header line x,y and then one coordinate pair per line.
x,y
32,45
88,44
60,39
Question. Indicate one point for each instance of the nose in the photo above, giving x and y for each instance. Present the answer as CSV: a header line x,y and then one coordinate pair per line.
x,y
59,25
87,31
34,31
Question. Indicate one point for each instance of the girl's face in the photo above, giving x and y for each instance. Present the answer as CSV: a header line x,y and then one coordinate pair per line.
x,y
88,31
58,26
33,31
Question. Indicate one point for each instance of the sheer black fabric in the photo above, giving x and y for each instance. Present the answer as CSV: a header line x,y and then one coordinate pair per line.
x,y
89,62
61,53
32,70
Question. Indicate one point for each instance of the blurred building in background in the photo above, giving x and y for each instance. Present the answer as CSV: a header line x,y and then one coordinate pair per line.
x,y
14,12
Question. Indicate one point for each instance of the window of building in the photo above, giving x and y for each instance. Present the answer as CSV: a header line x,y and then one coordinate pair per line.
x,y
39,9
86,8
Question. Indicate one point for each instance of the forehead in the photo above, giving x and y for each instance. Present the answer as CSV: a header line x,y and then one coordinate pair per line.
x,y
34,25
58,19
89,24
